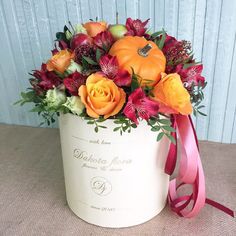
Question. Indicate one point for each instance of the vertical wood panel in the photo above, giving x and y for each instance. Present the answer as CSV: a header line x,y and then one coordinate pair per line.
x,y
121,9
28,29
172,17
229,114
209,51
159,14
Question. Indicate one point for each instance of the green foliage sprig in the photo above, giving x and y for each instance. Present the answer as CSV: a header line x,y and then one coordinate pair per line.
x,y
163,127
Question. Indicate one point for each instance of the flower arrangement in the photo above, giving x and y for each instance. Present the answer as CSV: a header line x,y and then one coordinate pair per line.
x,y
124,72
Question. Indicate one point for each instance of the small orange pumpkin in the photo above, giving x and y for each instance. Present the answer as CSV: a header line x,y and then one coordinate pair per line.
x,y
146,59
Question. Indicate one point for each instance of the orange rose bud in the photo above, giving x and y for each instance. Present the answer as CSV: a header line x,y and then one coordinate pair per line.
x,y
101,96
94,28
172,96
60,61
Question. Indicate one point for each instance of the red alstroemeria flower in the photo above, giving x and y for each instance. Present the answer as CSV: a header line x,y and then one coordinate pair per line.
x,y
191,75
136,27
176,52
139,105
110,67
73,82
104,40
45,79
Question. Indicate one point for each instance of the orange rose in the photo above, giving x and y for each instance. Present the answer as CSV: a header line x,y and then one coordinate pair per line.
x,y
101,96
60,61
94,28
171,95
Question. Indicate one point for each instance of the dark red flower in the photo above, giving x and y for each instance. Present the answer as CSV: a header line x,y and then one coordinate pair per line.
x,y
73,82
84,50
45,79
110,67
190,75
176,52
136,27
104,40
139,105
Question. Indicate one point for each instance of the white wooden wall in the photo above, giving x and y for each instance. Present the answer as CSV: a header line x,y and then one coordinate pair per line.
x,y
27,29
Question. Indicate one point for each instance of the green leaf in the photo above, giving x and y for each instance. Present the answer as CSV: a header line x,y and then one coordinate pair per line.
x,y
134,81
164,121
90,122
103,127
101,119
37,109
202,106
116,129
187,65
152,121
61,36
66,28
17,102
124,128
156,34
133,125
85,64
168,128
159,136
118,122
155,128
201,113
96,129
162,41
98,55
171,138
90,61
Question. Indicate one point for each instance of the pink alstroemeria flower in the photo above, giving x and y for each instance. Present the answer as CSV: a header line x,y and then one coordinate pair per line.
x,y
110,67
191,75
136,27
73,82
139,105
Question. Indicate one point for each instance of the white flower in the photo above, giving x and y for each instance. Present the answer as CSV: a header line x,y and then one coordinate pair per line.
x,y
74,104
55,98
73,67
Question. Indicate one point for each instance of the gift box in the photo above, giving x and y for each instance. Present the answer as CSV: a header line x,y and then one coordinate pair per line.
x,y
113,180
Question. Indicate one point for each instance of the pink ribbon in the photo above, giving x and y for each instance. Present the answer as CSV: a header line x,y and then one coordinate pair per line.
x,y
190,172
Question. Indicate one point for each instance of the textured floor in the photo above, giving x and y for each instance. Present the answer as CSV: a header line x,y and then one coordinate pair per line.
x,y
32,193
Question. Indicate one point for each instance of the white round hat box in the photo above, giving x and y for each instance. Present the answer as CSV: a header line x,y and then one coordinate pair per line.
x,y
113,180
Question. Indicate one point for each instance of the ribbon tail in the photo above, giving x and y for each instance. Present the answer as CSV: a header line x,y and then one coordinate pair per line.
x,y
190,172
220,207
172,154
